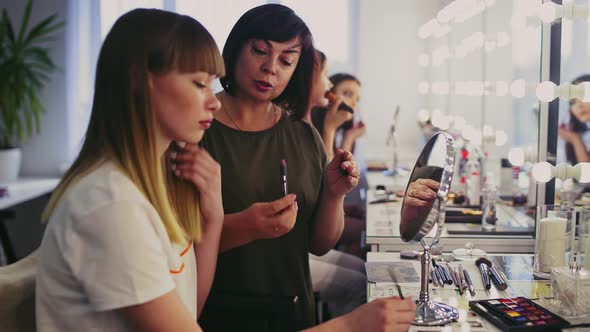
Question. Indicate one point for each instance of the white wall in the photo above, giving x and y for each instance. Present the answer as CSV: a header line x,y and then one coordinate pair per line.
x,y
43,154
388,69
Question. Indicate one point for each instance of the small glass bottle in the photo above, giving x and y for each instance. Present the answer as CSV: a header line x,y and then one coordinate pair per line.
x,y
518,197
489,194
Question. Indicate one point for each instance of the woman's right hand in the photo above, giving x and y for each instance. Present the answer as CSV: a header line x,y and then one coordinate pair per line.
x,y
387,314
272,219
335,117
418,200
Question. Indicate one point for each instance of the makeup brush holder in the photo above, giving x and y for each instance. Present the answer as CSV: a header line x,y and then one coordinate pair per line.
x,y
571,291
554,239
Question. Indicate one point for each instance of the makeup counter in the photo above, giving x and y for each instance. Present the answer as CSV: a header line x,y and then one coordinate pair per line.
x,y
511,303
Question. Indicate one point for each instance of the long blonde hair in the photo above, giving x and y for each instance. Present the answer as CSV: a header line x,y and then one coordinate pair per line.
x,y
122,126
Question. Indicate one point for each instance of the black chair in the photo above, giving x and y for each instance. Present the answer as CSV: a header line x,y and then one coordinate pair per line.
x,y
225,312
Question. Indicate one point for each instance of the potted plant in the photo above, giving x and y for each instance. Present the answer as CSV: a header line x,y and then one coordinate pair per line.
x,y
25,67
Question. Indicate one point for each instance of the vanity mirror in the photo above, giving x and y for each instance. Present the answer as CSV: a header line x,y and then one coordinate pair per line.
x,y
422,209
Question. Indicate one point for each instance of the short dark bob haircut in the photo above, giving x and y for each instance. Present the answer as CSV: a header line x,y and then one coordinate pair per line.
x,y
277,23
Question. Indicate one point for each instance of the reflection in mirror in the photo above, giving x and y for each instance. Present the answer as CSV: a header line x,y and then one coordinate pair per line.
x,y
428,184
573,143
480,72
423,208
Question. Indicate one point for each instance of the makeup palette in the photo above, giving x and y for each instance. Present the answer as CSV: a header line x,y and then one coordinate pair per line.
x,y
518,314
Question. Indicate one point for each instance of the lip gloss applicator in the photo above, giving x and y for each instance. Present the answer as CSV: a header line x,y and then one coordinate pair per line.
x,y
284,176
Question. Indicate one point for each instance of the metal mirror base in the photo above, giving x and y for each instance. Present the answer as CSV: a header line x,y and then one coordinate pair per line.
x,y
434,313
429,313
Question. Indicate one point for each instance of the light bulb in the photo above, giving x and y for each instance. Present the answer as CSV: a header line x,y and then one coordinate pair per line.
x,y
488,131
501,138
423,87
501,88
550,11
468,132
518,88
542,172
441,121
441,30
423,115
444,15
503,38
516,156
547,91
459,122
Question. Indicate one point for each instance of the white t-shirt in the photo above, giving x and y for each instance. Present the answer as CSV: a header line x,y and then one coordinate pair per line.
x,y
105,248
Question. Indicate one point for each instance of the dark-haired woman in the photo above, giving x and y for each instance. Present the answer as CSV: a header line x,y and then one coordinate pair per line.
x,y
267,235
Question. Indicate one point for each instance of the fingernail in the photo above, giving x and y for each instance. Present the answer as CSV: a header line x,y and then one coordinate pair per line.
x,y
180,144
173,155
296,206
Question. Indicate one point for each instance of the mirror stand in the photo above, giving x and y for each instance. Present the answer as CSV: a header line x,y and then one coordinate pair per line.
x,y
429,312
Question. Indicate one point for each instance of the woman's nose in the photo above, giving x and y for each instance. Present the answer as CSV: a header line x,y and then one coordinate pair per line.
x,y
269,66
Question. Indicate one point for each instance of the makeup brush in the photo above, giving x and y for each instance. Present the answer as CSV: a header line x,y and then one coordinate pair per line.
x,y
493,273
484,268
343,106
498,280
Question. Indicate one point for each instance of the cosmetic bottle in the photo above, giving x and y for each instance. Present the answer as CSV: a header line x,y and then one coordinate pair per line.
x,y
488,195
505,178
473,180
518,197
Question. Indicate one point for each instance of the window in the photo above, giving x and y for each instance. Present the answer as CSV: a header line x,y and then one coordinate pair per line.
x,y
328,20
218,16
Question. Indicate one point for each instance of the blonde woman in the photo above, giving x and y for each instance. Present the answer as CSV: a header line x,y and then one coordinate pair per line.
x,y
126,227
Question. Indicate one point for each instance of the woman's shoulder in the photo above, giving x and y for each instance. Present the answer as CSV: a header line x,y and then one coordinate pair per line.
x,y
104,186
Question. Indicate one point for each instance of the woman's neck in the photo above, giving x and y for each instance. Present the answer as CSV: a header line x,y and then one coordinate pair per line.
x,y
247,114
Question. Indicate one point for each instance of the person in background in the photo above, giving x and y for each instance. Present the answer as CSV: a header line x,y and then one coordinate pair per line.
x,y
347,87
338,277
267,232
576,134
126,229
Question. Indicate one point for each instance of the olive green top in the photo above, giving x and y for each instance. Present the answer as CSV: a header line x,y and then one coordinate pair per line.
x,y
250,170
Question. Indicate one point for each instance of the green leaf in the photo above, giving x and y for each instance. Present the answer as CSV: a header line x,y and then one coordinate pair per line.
x,y
8,26
42,29
25,22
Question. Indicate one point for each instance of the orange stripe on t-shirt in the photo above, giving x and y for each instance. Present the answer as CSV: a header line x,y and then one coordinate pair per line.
x,y
181,255
186,249
179,270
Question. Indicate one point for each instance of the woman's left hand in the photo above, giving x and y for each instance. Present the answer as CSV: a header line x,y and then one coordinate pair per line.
x,y
194,164
342,173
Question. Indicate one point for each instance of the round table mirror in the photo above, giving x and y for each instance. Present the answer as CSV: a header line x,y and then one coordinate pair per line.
x,y
423,208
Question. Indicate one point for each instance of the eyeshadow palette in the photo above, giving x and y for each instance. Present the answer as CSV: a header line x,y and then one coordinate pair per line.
x,y
518,314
